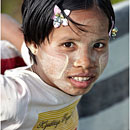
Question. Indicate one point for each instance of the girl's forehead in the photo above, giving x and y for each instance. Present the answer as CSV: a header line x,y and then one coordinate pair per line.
x,y
94,11
94,20
90,16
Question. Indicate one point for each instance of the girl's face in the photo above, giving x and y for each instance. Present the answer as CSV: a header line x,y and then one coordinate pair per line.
x,y
74,59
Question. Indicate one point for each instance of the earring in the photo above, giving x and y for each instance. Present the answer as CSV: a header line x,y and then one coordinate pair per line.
x,y
34,51
114,31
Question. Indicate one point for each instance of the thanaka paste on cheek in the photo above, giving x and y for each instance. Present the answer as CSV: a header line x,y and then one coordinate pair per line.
x,y
103,61
54,66
64,68
74,59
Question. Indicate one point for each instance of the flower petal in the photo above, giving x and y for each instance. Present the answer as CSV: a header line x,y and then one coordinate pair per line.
x,y
57,10
67,12
56,24
64,22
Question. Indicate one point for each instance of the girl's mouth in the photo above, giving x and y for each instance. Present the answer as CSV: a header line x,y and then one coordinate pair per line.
x,y
82,81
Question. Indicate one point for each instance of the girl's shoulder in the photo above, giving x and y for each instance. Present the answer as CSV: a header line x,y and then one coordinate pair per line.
x,y
13,79
20,75
14,93
17,79
23,78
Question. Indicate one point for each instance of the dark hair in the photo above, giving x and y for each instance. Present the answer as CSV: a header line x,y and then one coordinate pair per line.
x,y
37,16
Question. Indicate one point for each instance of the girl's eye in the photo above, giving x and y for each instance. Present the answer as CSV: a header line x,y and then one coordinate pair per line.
x,y
68,44
99,45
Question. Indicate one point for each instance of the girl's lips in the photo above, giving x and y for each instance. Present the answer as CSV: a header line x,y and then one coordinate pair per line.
x,y
83,83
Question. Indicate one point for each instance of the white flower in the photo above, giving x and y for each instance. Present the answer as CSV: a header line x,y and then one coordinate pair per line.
x,y
56,24
59,18
64,22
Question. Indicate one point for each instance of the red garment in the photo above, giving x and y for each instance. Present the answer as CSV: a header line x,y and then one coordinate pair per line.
x,y
11,63
10,57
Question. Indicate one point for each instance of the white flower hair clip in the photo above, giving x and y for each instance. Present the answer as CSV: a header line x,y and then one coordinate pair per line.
x,y
58,17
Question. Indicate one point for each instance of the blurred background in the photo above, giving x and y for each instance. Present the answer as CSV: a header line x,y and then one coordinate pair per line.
x,y
105,107
13,7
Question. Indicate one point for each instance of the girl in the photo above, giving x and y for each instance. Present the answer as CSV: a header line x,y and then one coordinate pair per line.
x,y
68,45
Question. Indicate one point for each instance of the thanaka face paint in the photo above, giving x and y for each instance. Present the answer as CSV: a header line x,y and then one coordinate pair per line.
x,y
57,65
74,69
103,61
54,65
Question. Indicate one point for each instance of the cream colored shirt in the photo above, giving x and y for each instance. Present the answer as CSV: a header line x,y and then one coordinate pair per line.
x,y
28,103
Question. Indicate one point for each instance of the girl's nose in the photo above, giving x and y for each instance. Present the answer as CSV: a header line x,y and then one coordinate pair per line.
x,y
85,62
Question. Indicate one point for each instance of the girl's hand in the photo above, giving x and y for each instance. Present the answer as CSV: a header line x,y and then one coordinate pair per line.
x,y
10,31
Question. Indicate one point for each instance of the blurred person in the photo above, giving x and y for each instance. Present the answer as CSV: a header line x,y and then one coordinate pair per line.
x,y
10,33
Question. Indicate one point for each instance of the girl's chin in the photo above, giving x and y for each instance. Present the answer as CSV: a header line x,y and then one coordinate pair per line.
x,y
72,87
77,92
73,91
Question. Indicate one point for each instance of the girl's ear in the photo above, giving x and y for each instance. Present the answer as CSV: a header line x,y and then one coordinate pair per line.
x,y
33,47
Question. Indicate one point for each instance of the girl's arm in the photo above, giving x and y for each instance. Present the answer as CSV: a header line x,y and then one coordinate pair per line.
x,y
10,31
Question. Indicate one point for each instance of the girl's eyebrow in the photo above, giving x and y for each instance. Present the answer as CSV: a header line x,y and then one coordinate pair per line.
x,y
105,38
66,38
102,38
